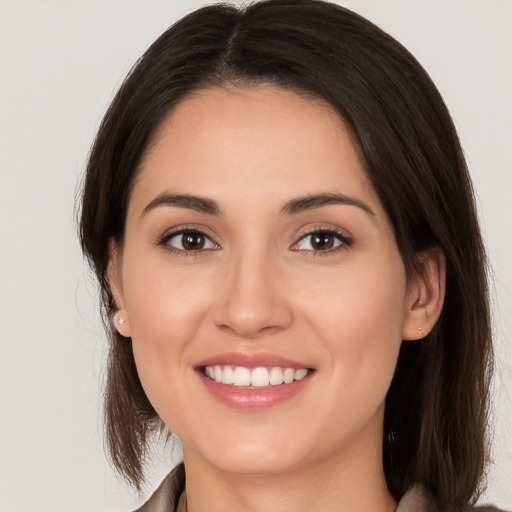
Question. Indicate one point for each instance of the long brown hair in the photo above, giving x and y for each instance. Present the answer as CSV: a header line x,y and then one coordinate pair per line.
x,y
437,406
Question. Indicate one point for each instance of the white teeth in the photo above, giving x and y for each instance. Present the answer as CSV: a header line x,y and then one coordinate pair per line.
x,y
257,377
276,376
300,374
289,375
228,376
241,376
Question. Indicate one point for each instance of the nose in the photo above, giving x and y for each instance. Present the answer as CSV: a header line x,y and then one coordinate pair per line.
x,y
253,301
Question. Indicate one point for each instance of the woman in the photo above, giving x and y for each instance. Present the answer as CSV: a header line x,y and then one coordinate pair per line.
x,y
282,224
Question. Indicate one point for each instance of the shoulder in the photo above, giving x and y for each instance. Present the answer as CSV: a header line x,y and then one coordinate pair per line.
x,y
166,496
416,500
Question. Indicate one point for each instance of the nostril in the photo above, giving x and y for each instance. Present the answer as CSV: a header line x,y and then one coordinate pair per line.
x,y
248,331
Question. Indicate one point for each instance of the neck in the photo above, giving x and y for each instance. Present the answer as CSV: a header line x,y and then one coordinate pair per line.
x,y
349,481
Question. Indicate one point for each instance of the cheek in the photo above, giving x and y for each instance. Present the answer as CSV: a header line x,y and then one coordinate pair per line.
x,y
162,300
165,309
365,296
358,314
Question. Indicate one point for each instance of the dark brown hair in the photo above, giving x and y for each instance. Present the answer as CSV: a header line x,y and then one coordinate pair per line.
x,y
436,407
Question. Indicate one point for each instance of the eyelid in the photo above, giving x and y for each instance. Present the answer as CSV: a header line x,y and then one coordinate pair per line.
x,y
179,230
342,235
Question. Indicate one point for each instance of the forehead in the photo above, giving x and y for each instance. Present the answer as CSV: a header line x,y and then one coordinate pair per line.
x,y
259,140
226,115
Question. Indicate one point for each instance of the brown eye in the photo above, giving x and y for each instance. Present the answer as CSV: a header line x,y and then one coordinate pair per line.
x,y
190,241
193,241
321,241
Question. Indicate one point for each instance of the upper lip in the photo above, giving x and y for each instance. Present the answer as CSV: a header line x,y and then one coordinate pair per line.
x,y
247,360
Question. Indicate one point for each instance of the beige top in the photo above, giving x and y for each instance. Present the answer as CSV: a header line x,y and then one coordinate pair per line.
x,y
169,497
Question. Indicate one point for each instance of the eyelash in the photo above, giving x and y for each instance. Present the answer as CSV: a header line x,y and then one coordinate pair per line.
x,y
182,231
345,241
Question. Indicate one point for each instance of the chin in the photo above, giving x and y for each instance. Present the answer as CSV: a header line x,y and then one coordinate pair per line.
x,y
266,465
250,458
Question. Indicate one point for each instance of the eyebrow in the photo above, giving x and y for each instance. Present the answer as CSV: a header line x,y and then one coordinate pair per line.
x,y
311,202
292,207
199,204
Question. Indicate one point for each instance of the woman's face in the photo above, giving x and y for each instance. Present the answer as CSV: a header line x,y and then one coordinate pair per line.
x,y
255,240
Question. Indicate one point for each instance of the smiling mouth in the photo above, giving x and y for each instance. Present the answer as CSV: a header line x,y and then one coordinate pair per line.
x,y
254,378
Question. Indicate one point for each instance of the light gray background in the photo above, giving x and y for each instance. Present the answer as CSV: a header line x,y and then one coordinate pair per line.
x,y
60,63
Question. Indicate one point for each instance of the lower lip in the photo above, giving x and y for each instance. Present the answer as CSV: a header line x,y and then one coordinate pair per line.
x,y
253,399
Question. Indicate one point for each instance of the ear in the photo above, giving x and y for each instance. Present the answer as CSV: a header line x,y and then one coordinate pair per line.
x,y
120,320
426,296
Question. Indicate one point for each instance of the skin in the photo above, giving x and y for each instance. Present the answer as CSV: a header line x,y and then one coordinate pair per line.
x,y
258,287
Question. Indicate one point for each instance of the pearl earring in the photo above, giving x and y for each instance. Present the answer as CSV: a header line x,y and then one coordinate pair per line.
x,y
119,319
420,331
